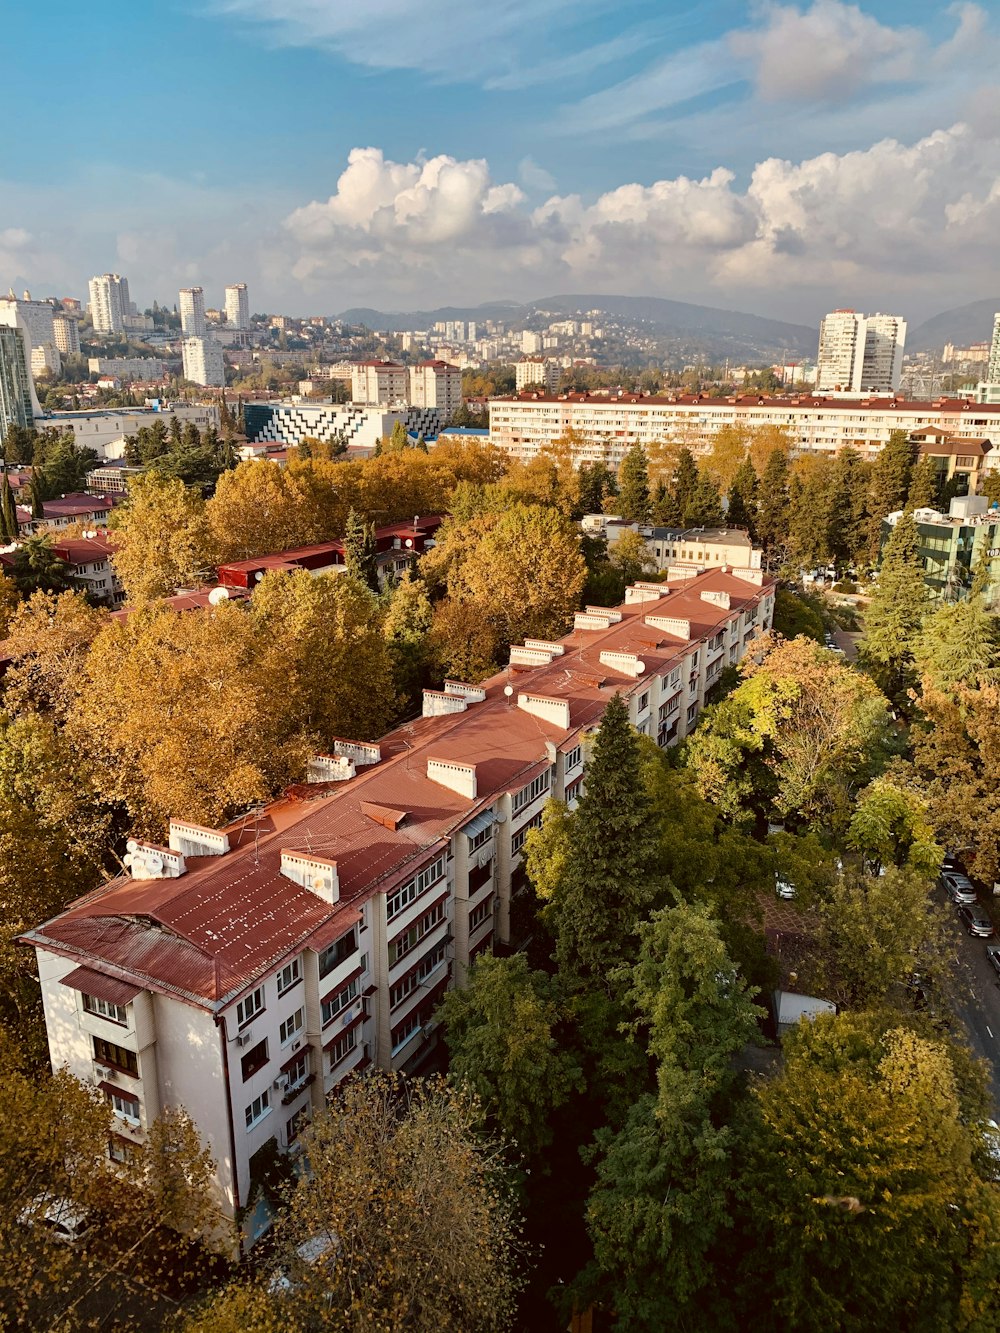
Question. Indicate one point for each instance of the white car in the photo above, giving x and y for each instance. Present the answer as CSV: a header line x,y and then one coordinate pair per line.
x,y
310,1252
61,1217
784,889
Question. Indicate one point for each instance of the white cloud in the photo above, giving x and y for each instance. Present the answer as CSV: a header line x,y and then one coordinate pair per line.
x,y
891,220
535,177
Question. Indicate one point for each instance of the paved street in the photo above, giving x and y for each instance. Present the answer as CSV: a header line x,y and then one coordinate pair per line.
x,y
980,1009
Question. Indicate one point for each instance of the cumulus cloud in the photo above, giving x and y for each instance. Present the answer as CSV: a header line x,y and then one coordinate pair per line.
x,y
893,217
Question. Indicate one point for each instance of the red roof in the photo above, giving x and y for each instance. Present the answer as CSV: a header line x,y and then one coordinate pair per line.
x,y
940,406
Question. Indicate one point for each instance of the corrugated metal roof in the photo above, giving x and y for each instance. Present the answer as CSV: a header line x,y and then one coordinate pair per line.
x,y
100,986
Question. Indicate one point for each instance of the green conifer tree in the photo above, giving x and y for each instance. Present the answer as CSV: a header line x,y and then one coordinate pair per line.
x,y
742,508
896,611
685,481
633,486
773,506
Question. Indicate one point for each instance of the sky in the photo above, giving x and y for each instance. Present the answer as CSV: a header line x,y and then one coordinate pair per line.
x,y
778,158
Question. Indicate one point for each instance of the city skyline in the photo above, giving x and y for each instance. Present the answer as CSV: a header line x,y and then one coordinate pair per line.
x,y
785,159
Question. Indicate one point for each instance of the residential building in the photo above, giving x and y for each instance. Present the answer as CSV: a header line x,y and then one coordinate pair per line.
x,y
127,367
110,305
35,317
860,353
962,461
384,383
88,559
359,427
531,342
18,404
192,309
243,972
203,362
608,426
104,429
437,385
993,364
953,546
540,372
75,507
45,360
66,329
238,306
682,548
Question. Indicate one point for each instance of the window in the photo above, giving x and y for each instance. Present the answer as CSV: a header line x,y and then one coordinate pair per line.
x,y
298,1072
296,1124
342,1048
258,1109
532,791
115,1013
125,1107
573,757
338,952
481,838
520,837
483,912
413,888
573,790
411,937
417,975
254,1060
107,1053
339,1000
401,1035
289,976
644,702
119,1150
692,712
250,1007
291,1025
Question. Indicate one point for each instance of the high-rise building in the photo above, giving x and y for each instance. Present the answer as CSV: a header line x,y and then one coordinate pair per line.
x,y
203,363
537,371
110,305
45,360
860,353
67,333
436,384
192,306
237,306
380,382
993,366
530,342
17,394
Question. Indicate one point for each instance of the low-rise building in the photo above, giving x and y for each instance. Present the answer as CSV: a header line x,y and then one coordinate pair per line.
x,y
958,460
104,429
359,427
243,972
695,548
127,367
75,507
953,546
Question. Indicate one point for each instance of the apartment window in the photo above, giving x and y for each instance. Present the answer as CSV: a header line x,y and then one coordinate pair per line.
x,y
298,1072
520,837
573,790
339,1000
643,702
254,1060
125,1107
692,712
114,1013
412,936
289,976
417,975
573,757
258,1109
413,888
481,838
107,1053
291,1025
296,1124
120,1150
532,791
342,1048
250,1007
401,1035
483,912
338,952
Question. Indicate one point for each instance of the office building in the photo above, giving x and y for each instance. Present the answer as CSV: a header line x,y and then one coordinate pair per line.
x,y
538,372
104,429
110,305
237,306
358,426
18,404
860,353
192,309
436,384
953,546
681,548
243,972
607,426
379,383
203,362
67,334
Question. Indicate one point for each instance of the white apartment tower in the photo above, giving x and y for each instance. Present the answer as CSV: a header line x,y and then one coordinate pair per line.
x,y
67,334
860,353
237,306
192,308
110,305
379,382
993,369
203,363
537,372
436,384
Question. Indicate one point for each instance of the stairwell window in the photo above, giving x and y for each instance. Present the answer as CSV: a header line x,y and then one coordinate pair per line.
x,y
292,1024
250,1007
289,976
338,1002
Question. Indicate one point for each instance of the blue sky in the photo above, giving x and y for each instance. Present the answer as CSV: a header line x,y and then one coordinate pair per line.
x,y
774,157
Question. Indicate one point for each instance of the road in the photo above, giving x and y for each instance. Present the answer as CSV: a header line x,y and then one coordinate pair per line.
x,y
979,1007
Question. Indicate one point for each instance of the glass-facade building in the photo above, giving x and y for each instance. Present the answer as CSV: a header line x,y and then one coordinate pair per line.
x,y
15,382
951,548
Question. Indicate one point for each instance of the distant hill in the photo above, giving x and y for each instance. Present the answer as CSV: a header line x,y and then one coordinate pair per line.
x,y
693,330
972,323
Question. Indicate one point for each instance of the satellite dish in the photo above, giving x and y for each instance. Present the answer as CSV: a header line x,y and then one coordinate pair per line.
x,y
408,542
218,595
154,862
259,575
132,845
508,690
640,667
91,532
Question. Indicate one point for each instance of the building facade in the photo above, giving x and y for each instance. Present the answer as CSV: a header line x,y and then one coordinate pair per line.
x,y
127,367
110,304
243,972
436,385
360,428
860,353
607,427
191,303
35,317
953,546
379,383
540,371
66,329
17,394
203,362
238,306
682,548
104,429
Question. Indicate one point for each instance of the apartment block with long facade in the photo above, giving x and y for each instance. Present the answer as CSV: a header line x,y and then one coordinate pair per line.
x,y
607,427
243,972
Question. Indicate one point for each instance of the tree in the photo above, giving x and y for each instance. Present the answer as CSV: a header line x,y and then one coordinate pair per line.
x,y
418,1208
406,628
258,508
633,486
742,507
686,478
594,481
890,485
891,826
360,551
465,641
772,510
861,1188
797,614
728,452
502,1032
922,492
896,611
60,464
631,556
661,1204
35,567
9,530
959,642
47,642
704,506
162,538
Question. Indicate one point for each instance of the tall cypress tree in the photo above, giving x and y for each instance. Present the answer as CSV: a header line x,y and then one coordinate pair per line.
x,y
633,486
8,512
360,551
895,612
685,481
742,507
890,485
773,508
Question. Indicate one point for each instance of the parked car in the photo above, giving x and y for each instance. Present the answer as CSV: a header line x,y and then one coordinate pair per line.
x,y
307,1255
60,1217
993,958
957,886
975,920
783,888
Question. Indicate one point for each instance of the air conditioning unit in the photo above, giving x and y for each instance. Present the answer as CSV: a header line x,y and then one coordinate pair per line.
x,y
244,1038
281,1082
296,1043
102,1071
